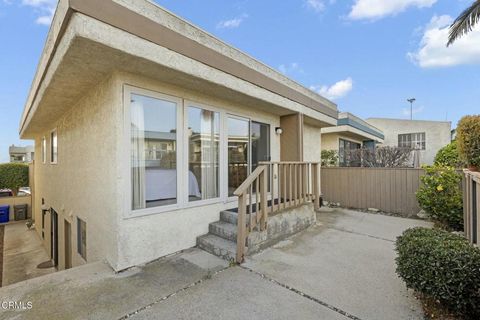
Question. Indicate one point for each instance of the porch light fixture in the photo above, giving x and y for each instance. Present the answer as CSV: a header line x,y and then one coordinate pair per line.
x,y
278,130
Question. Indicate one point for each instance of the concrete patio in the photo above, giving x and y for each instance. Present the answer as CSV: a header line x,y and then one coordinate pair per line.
x,y
22,253
342,268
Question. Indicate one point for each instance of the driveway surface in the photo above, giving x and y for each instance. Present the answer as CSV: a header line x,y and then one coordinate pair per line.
x,y
342,268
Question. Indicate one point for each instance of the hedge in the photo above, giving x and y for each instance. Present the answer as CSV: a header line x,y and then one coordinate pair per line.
x,y
443,266
13,176
441,197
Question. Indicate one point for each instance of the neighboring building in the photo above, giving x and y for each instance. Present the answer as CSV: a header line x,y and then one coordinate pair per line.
x,y
425,136
21,154
146,125
350,133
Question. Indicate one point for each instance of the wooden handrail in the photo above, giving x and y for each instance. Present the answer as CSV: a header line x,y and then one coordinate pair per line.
x,y
243,188
297,183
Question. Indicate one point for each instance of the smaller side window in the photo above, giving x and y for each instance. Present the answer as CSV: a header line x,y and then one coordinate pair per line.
x,y
82,238
44,150
53,147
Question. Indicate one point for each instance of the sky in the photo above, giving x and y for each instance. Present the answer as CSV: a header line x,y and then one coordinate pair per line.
x,y
368,56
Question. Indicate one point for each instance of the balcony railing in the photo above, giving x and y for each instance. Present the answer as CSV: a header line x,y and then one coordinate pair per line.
x,y
270,188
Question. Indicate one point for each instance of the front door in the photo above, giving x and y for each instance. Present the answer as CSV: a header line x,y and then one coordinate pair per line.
x,y
248,145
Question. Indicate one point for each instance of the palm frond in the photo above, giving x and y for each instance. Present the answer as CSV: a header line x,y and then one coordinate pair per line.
x,y
464,23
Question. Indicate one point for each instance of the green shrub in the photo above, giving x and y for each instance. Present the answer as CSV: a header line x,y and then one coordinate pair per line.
x,y
13,176
468,137
442,266
329,158
441,197
448,156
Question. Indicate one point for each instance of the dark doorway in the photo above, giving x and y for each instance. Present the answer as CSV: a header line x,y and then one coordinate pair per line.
x,y
68,244
54,236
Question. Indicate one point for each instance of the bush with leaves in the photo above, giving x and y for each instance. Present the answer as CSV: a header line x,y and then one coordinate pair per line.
x,y
441,197
468,137
448,156
13,176
329,158
442,266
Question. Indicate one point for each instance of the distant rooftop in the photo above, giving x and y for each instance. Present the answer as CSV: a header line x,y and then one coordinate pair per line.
x,y
346,118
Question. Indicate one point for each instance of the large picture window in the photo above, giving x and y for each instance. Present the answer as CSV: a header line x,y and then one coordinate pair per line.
x,y
153,151
203,154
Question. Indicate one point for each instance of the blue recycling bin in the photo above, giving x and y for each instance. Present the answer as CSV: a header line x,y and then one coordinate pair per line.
x,y
4,214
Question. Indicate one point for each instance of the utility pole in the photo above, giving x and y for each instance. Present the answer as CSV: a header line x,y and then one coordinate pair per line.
x,y
412,100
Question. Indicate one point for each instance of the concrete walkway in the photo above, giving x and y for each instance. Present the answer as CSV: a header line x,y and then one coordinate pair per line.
x,y
343,268
22,253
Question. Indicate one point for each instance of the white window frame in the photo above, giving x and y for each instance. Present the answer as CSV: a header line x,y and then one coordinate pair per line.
x,y
128,91
53,161
222,187
182,152
44,149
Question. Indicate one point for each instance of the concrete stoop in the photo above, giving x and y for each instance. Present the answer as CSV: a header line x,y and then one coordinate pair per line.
x,y
222,237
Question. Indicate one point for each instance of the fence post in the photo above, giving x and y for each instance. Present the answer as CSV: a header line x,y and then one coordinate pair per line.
x,y
316,185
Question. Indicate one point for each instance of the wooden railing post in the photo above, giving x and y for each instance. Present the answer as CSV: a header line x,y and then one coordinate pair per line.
x,y
241,228
263,195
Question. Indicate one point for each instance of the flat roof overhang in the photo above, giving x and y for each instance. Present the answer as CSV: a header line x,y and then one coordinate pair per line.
x,y
89,41
352,133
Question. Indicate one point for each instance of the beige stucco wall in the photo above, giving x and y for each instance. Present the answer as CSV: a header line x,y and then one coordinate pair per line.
x,y
84,181
312,140
437,134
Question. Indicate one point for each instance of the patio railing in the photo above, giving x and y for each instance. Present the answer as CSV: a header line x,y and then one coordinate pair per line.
x,y
272,187
471,206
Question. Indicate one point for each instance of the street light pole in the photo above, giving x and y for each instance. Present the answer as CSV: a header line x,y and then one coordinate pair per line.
x,y
412,100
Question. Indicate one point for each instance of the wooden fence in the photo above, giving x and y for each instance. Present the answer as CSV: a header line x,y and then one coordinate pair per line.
x,y
471,206
387,189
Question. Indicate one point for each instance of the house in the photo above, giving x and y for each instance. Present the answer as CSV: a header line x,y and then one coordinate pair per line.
x,y
426,136
146,126
21,154
351,133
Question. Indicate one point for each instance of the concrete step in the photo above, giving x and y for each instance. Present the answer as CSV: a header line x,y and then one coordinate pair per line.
x,y
232,217
229,216
224,230
218,246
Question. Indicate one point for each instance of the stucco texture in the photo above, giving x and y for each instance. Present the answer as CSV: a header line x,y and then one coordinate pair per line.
x,y
84,181
437,134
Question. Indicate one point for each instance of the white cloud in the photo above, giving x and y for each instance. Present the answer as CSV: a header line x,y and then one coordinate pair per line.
x,y
336,91
290,68
433,52
315,5
45,9
376,9
232,23
406,111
